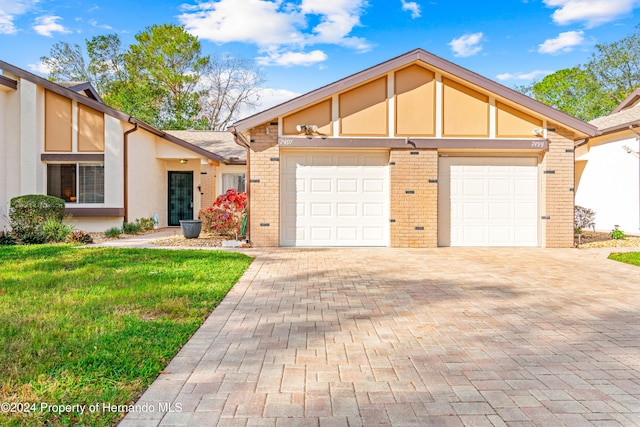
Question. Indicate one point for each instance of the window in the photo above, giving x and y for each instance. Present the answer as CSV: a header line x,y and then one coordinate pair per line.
x,y
76,182
233,180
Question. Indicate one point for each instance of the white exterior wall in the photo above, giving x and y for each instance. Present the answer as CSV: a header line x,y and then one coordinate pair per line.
x,y
4,203
149,175
113,162
609,185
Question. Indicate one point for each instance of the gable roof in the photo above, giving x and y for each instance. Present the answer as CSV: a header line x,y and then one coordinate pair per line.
x,y
219,142
99,106
619,120
629,101
419,55
83,88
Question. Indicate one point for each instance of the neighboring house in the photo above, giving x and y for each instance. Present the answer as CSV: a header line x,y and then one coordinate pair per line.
x,y
608,169
109,167
413,152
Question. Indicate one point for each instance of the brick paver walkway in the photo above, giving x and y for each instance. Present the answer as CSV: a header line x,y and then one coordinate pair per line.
x,y
451,337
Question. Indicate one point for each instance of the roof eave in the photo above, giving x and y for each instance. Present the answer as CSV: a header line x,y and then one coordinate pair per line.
x,y
430,59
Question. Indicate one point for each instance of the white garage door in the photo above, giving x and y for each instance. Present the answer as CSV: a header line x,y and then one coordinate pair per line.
x,y
334,198
487,201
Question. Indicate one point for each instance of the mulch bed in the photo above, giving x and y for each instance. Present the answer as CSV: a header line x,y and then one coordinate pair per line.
x,y
597,239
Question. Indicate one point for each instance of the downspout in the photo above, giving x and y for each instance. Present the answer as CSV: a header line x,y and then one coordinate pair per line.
x,y
126,169
240,140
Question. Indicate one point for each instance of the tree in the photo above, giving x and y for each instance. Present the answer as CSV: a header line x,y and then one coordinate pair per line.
x,y
616,67
574,91
229,84
67,63
162,79
169,59
596,88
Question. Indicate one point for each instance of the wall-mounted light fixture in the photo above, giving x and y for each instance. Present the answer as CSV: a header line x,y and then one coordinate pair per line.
x,y
183,161
308,129
538,132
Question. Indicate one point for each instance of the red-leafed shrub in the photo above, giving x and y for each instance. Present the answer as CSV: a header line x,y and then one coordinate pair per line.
x,y
225,216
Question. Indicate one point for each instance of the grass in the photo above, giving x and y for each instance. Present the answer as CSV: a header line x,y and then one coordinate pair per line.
x,y
83,326
632,258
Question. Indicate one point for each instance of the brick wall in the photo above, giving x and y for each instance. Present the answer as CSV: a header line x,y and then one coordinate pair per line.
x,y
557,199
264,216
207,185
414,200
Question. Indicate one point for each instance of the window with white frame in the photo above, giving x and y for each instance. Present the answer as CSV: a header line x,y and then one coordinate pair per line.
x,y
233,180
76,182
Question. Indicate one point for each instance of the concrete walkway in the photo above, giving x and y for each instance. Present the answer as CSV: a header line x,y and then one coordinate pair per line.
x,y
451,337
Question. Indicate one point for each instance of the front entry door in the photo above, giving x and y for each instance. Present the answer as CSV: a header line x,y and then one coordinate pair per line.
x,y
180,197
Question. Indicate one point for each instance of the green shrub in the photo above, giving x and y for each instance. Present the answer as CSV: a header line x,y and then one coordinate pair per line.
x,y
146,224
55,231
617,234
131,228
7,238
33,237
28,214
113,232
82,237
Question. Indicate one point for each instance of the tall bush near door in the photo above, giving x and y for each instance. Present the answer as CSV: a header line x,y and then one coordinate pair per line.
x,y
28,215
225,216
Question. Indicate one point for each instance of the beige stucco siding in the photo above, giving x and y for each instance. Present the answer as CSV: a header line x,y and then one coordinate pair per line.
x,y
363,110
57,123
465,111
90,129
318,115
415,89
512,123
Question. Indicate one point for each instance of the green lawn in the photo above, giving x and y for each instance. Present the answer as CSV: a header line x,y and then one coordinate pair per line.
x,y
632,258
83,326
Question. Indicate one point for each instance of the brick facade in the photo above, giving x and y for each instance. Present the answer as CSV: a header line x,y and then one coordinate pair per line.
x,y
264,199
207,185
557,198
414,198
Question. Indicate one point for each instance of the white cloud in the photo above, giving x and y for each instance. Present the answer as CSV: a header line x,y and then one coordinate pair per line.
x,y
523,76
565,42
47,25
40,68
95,23
411,6
10,10
281,26
292,58
466,45
270,97
591,12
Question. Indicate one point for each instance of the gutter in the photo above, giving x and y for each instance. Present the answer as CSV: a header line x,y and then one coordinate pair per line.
x,y
126,167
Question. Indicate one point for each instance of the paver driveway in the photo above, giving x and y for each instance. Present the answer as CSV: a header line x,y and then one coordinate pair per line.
x,y
339,337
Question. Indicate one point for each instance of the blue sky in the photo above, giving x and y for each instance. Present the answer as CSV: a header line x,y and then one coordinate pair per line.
x,y
304,44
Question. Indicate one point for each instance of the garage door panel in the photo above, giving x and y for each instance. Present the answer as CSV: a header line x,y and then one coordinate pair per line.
x,y
347,234
500,187
473,187
321,209
500,212
347,209
484,201
347,185
346,194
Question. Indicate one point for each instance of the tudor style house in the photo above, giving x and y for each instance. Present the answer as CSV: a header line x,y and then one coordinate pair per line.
x,y
608,169
109,167
413,152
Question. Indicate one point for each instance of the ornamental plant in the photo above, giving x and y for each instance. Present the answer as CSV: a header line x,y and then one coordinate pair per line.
x,y
225,216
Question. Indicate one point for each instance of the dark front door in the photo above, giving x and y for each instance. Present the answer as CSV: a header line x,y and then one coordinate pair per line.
x,y
180,196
